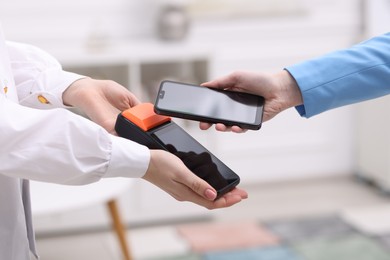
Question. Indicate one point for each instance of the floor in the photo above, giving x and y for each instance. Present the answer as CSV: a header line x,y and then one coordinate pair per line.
x,y
344,197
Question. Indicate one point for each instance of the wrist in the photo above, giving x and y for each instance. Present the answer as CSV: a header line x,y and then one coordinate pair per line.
x,y
290,90
75,93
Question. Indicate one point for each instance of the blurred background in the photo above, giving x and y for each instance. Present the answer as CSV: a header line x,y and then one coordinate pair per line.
x,y
335,164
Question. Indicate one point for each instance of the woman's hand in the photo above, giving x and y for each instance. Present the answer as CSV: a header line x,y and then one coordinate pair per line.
x,y
100,100
169,173
279,90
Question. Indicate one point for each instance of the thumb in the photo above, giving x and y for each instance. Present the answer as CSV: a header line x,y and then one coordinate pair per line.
x,y
224,82
200,186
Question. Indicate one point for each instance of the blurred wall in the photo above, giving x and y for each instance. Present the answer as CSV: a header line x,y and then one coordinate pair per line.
x,y
45,21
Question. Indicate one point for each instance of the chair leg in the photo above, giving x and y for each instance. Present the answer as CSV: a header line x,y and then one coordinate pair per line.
x,y
119,228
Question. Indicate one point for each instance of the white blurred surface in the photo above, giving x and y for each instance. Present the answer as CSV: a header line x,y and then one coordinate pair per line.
x,y
48,198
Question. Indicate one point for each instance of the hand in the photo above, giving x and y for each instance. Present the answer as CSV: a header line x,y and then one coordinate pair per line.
x,y
100,100
280,92
168,172
202,165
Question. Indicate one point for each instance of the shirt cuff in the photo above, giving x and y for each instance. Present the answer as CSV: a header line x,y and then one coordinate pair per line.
x,y
304,76
51,98
128,159
67,78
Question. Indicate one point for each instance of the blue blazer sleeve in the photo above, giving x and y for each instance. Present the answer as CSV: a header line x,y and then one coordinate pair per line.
x,y
344,77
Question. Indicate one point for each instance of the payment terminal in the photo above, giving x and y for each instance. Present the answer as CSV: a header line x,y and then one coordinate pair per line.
x,y
142,125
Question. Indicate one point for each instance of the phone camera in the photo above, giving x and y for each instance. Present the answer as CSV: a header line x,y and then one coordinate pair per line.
x,y
162,94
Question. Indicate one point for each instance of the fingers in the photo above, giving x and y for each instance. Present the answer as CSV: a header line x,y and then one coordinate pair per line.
x,y
117,95
237,129
218,83
133,100
212,84
230,81
200,186
206,195
169,173
225,201
229,199
224,128
240,192
224,82
204,126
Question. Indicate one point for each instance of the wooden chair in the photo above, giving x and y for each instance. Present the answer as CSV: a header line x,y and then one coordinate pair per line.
x,y
50,198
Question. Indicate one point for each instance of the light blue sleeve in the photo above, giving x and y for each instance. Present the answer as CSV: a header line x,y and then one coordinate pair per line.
x,y
344,77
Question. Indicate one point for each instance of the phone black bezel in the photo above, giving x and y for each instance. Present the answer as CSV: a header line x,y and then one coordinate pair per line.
x,y
250,126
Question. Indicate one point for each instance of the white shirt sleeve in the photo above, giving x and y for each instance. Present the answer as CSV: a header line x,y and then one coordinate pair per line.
x,y
56,145
61,147
39,78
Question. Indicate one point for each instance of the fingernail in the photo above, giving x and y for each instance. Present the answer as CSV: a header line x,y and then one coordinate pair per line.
x,y
210,194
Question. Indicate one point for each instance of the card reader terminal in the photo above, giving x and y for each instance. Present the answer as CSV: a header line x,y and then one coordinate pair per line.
x,y
142,125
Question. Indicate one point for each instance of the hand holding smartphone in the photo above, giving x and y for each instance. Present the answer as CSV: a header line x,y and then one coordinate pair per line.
x,y
204,104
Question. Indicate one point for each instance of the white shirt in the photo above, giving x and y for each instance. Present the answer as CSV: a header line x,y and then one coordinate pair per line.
x,y
40,140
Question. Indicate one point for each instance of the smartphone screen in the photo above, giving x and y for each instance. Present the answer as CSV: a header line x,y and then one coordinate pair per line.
x,y
209,105
197,158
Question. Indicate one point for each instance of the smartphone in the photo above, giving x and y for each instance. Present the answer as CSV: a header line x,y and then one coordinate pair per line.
x,y
167,135
210,105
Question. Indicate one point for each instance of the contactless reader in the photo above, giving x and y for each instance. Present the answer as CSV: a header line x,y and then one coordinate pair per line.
x,y
142,125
